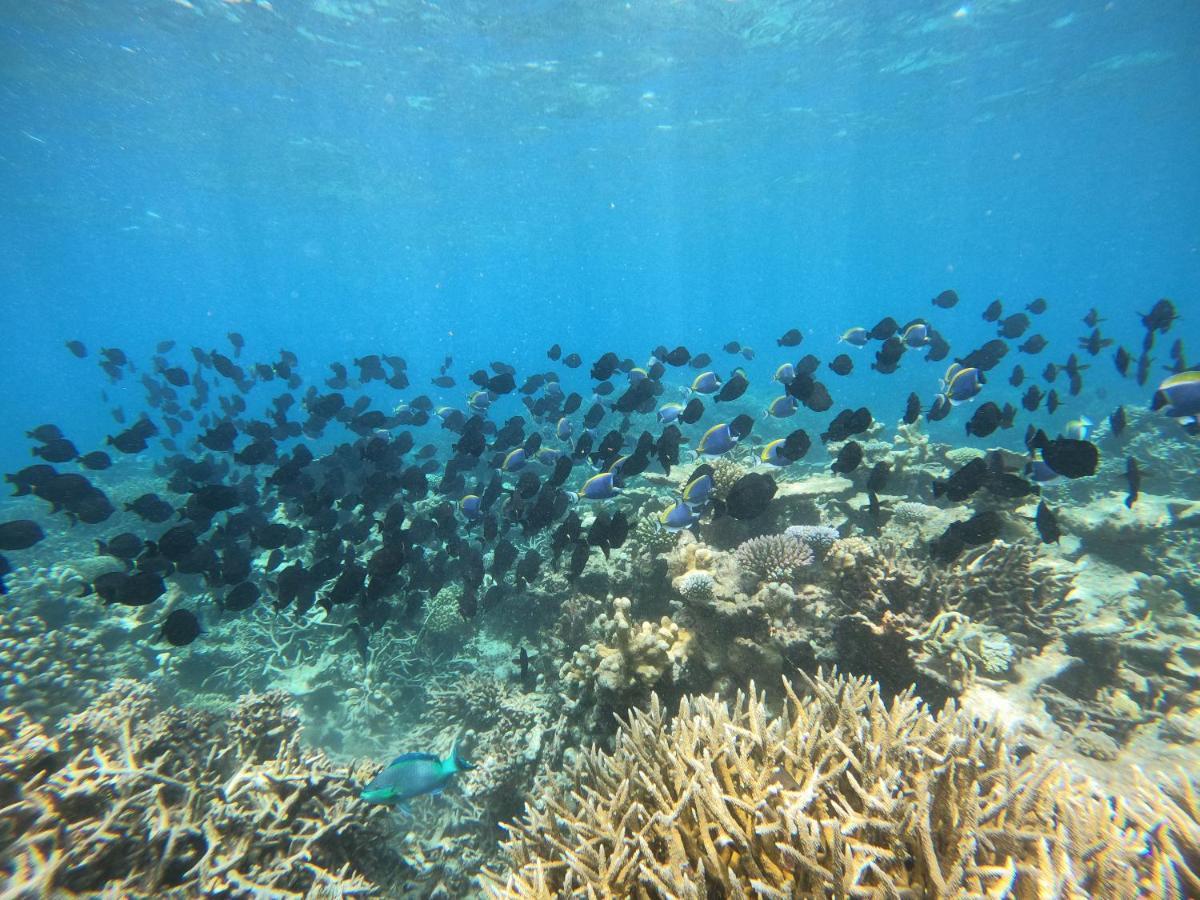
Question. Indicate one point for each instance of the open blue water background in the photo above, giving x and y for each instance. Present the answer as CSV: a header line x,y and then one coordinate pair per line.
x,y
482,180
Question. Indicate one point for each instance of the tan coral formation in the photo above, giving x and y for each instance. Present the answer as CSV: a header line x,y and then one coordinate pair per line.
x,y
630,657
137,801
841,795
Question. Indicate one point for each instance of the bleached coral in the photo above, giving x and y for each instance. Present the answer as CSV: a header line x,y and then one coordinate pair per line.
x,y
774,557
842,796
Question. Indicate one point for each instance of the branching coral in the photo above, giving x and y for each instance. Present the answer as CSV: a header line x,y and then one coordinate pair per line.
x,y
135,802
48,671
840,796
774,557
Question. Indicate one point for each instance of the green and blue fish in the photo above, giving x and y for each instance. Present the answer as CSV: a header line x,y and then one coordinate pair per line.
x,y
414,774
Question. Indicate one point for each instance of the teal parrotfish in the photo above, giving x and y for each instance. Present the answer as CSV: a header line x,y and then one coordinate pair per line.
x,y
413,774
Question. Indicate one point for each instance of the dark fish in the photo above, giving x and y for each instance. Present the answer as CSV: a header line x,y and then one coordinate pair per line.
x,y
939,347
993,312
981,528
1032,398
939,409
77,348
1017,378
692,412
1094,342
59,450
848,458
554,353
741,426
241,597
912,409
1047,524
791,338
1092,319
237,341
678,357
842,364
700,360
963,482
885,328
986,357
750,496
877,480
573,361
1067,456
1037,307
795,445
946,299
1014,326
732,347
1052,402
138,589
176,376
733,388
164,347
1134,476
443,381
97,460
180,628
123,546
987,418
1117,421
1033,344
1161,316
521,661
151,508
20,534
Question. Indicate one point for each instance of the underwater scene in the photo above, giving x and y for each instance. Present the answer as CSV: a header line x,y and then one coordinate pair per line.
x,y
651,448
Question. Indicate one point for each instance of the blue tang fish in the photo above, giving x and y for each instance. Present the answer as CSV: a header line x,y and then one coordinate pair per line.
x,y
413,774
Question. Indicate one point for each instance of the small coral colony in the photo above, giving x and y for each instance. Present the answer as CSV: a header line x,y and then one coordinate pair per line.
x,y
683,625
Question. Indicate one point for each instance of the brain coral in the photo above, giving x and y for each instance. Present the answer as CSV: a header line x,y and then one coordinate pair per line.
x,y
840,796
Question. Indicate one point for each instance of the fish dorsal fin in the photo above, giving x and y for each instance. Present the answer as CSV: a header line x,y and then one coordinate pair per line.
x,y
410,757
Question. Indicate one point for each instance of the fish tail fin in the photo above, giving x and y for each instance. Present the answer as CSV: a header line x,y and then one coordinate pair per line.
x,y
460,764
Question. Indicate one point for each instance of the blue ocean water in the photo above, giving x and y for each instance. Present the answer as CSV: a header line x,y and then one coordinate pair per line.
x,y
466,184
340,178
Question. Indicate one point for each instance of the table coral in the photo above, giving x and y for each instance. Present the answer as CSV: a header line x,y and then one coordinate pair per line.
x,y
841,796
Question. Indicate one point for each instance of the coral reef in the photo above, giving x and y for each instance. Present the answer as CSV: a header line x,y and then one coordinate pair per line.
x,y
137,801
696,586
841,796
774,557
626,660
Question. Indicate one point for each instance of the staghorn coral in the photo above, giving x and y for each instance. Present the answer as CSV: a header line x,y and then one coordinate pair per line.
x,y
841,796
953,649
774,557
135,801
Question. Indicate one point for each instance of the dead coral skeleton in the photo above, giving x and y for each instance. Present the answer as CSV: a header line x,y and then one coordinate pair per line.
x,y
841,795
